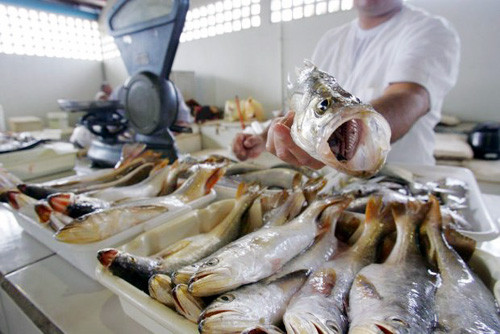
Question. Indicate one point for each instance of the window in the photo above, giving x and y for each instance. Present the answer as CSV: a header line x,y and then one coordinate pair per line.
x,y
31,32
221,17
288,10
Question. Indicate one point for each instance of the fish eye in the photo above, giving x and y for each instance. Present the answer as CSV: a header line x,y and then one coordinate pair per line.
x,y
333,326
212,262
323,106
227,298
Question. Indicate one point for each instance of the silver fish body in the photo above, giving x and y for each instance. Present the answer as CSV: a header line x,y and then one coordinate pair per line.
x,y
259,254
319,307
463,303
272,178
254,304
335,127
396,296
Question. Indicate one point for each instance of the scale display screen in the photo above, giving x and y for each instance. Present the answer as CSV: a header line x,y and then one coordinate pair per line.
x,y
140,11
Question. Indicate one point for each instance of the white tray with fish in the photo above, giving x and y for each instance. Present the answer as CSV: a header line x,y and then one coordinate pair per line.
x,y
477,223
138,305
83,256
160,319
483,227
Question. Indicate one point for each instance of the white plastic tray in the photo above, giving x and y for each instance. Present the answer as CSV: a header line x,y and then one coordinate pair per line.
x,y
160,319
83,256
484,228
139,306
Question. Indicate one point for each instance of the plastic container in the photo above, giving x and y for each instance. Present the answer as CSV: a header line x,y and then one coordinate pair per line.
x,y
160,319
138,305
83,256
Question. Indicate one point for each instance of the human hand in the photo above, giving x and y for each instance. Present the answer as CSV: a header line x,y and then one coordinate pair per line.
x,y
248,146
281,144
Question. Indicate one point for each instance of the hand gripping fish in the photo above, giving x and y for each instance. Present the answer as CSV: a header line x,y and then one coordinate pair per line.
x,y
261,253
463,303
100,225
319,307
396,296
335,127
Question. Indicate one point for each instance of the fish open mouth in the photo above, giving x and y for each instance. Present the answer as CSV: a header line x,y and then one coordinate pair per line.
x,y
345,140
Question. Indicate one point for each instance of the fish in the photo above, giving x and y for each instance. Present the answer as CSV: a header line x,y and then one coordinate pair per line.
x,y
187,305
262,329
320,305
242,168
251,305
74,205
149,187
259,254
334,126
463,303
160,288
396,296
281,178
100,225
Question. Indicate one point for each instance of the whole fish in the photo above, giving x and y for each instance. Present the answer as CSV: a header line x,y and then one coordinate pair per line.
x,y
282,178
261,253
396,296
251,305
149,187
335,127
269,311
103,224
290,208
319,306
463,303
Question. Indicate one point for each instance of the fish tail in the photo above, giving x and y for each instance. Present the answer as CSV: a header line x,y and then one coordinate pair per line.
x,y
297,181
160,288
242,188
313,187
60,202
159,166
464,245
107,256
12,199
430,230
43,211
373,208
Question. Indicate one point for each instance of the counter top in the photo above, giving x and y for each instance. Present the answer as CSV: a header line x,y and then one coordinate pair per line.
x,y
58,298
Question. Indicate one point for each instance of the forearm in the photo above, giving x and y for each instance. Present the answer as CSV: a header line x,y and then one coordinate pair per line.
x,y
402,104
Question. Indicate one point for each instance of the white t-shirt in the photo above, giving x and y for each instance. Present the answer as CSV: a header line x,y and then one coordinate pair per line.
x,y
412,46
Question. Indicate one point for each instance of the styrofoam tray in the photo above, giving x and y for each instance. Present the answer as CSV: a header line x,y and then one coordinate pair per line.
x,y
160,319
83,256
138,305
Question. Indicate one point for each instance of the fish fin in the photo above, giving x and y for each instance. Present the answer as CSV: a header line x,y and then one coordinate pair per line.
x,y
43,211
60,202
159,166
297,206
12,198
174,248
373,208
323,281
242,188
212,180
297,181
431,229
367,288
462,244
313,187
379,213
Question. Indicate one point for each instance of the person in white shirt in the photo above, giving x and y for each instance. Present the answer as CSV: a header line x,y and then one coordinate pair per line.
x,y
398,58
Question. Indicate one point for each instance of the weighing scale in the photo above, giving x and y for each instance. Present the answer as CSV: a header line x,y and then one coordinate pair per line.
x,y
147,34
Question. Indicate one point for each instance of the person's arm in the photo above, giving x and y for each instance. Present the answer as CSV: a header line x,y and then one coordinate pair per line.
x,y
402,104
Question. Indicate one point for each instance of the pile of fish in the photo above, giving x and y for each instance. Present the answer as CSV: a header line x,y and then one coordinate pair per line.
x,y
90,208
304,262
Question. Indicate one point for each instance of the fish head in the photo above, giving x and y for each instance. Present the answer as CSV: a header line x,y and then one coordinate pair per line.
x,y
314,318
226,314
214,276
334,126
